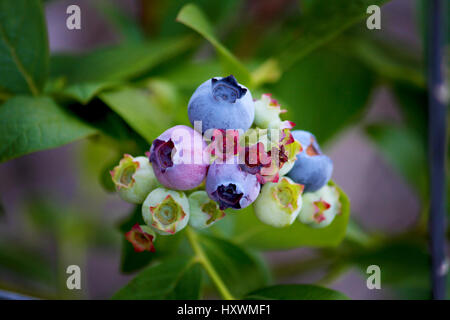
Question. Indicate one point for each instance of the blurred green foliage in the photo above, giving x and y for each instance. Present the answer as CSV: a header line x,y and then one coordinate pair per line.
x,y
175,278
313,55
23,47
295,292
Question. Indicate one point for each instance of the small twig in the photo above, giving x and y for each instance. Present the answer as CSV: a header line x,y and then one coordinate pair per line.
x,y
204,261
437,145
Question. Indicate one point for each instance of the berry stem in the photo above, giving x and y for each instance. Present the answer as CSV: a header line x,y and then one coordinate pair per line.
x,y
204,261
436,137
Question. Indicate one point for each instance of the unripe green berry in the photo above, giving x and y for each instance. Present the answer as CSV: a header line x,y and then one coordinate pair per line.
x,y
291,149
204,212
320,207
279,203
166,211
267,114
134,178
287,167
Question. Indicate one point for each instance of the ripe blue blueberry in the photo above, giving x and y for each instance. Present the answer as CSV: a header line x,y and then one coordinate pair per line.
x,y
312,168
178,158
230,186
222,103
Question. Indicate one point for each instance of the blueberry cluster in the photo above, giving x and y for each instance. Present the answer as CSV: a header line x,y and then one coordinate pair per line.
x,y
240,153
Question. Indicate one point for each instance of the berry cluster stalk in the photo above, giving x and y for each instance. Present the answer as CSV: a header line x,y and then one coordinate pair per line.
x,y
203,260
437,140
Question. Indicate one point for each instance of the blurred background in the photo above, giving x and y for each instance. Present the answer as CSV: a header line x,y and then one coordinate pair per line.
x,y
363,94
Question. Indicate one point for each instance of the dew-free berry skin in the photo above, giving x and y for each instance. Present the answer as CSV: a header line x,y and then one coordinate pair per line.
x,y
320,207
279,203
222,103
134,178
204,212
179,159
230,186
312,168
166,211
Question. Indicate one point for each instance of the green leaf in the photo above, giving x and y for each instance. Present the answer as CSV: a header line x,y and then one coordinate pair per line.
x,y
191,74
413,103
124,24
411,137
222,11
296,292
178,278
323,20
164,245
193,17
253,233
26,261
240,270
267,72
100,116
389,60
75,225
23,46
33,124
140,110
86,91
403,264
168,97
117,63
403,149
324,92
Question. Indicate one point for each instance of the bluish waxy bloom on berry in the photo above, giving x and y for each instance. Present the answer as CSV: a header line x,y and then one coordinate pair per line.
x,y
230,186
142,238
320,207
279,203
179,159
134,178
312,168
204,212
267,114
222,103
166,211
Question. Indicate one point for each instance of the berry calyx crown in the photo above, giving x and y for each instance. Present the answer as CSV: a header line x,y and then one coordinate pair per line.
x,y
227,89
